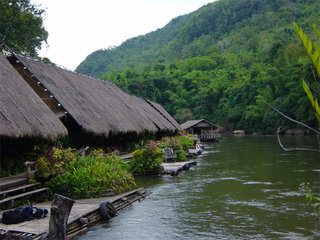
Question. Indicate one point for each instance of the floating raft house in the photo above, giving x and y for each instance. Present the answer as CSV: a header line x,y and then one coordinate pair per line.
x,y
203,129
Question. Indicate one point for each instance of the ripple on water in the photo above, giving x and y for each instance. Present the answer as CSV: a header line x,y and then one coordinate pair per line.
x,y
230,195
289,235
292,194
248,203
257,183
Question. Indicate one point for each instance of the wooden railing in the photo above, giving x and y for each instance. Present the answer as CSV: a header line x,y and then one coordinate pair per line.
x,y
209,136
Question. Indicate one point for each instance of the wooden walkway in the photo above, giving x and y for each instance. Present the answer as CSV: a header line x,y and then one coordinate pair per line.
x,y
13,181
126,156
81,209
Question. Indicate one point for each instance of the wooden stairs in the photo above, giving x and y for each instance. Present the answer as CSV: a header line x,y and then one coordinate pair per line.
x,y
17,188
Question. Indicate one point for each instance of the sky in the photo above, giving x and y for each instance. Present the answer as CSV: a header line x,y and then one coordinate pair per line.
x,y
79,27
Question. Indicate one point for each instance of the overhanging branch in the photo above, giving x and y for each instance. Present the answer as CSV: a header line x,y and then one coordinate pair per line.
x,y
289,118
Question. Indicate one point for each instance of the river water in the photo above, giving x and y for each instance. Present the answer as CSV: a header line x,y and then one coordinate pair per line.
x,y
245,187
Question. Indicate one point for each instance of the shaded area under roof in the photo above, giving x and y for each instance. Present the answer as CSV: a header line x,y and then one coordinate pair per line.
x,y
22,112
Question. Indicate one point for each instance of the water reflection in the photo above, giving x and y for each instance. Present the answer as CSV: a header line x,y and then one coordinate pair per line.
x,y
242,188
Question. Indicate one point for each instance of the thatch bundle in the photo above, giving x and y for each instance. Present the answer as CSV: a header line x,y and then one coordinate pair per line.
x,y
97,106
22,112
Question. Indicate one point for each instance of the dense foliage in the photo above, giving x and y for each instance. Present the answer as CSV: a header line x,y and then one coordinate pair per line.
x,y
84,175
21,26
149,157
216,61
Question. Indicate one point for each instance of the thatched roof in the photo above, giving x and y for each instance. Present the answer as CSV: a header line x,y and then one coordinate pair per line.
x,y
165,114
191,123
22,112
97,106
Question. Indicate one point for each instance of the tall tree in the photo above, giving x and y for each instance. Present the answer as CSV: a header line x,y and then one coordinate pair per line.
x,y
21,26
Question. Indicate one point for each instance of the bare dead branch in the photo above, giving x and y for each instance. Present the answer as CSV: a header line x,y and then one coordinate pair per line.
x,y
293,149
289,118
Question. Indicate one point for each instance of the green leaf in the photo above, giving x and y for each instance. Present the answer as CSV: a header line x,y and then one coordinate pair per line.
x,y
317,109
305,40
308,92
316,53
317,66
296,27
309,47
309,197
316,30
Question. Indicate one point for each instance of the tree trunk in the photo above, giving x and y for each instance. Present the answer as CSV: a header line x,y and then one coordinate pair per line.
x,y
60,210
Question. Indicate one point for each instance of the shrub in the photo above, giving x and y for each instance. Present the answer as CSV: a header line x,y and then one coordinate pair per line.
x,y
179,145
85,176
186,142
147,159
181,156
53,161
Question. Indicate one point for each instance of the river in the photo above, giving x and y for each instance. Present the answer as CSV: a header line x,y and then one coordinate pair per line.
x,y
245,187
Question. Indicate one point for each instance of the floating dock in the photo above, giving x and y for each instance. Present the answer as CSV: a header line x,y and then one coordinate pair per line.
x,y
84,213
175,168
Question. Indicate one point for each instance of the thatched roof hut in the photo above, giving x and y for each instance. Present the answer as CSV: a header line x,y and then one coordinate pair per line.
x,y
205,130
199,126
97,106
22,112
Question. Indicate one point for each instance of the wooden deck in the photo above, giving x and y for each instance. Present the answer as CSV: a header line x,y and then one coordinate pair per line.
x,y
211,137
126,156
15,188
82,209
175,168
12,181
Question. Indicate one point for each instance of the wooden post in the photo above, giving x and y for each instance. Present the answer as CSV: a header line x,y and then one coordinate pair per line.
x,y
60,210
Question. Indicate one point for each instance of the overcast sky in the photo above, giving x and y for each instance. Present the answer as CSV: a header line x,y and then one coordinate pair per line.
x,y
79,27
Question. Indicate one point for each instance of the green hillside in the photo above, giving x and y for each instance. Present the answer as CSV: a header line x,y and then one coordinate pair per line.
x,y
214,62
134,52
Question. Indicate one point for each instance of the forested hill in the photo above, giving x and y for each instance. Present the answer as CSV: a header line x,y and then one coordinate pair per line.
x,y
214,62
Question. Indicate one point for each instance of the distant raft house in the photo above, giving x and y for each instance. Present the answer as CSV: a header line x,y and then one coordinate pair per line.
x,y
38,100
203,129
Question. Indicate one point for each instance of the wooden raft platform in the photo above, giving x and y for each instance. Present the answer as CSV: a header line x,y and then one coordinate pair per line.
x,y
84,213
175,168
12,181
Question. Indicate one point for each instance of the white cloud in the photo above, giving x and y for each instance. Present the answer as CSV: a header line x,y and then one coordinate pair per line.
x,y
79,27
